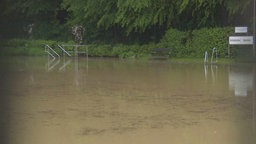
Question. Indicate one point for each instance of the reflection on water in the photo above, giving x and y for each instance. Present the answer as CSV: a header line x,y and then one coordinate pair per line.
x,y
242,79
110,101
213,70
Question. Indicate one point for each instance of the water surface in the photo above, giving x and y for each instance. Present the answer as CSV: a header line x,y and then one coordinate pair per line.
x,y
111,101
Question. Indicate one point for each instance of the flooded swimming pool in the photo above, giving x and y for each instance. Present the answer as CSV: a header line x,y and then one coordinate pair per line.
x,y
111,101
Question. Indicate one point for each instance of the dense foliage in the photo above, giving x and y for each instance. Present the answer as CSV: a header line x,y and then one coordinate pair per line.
x,y
124,28
182,44
115,21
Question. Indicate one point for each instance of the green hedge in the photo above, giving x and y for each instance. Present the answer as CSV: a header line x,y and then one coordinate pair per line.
x,y
195,43
206,39
26,47
183,44
121,51
175,40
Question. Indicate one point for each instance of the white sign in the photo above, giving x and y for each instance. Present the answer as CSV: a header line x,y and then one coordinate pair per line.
x,y
241,29
241,40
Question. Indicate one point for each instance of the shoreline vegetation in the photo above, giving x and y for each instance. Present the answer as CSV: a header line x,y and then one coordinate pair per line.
x,y
182,43
39,51
126,29
184,46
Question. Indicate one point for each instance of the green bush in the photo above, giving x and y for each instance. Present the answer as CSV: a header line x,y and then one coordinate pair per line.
x,y
175,40
125,51
183,44
207,38
195,43
25,47
133,51
100,50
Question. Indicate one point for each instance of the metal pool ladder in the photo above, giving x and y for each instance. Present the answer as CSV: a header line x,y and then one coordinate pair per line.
x,y
214,55
51,52
214,58
63,50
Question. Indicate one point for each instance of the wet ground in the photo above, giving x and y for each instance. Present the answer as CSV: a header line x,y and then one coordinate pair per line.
x,y
111,101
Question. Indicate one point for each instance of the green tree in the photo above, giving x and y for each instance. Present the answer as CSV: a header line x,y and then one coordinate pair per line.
x,y
46,15
124,20
135,17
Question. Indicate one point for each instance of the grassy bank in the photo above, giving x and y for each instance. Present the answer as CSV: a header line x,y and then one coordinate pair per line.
x,y
24,47
188,44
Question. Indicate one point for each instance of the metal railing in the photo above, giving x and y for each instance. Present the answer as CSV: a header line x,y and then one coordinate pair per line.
x,y
214,58
48,49
50,54
214,55
206,57
76,51
52,64
63,50
53,53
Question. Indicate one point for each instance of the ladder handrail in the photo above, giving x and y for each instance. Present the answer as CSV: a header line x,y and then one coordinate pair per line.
x,y
55,63
52,50
65,64
214,50
64,50
214,55
50,54
206,57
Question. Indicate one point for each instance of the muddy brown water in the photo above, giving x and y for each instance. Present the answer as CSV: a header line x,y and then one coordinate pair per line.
x,y
111,101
